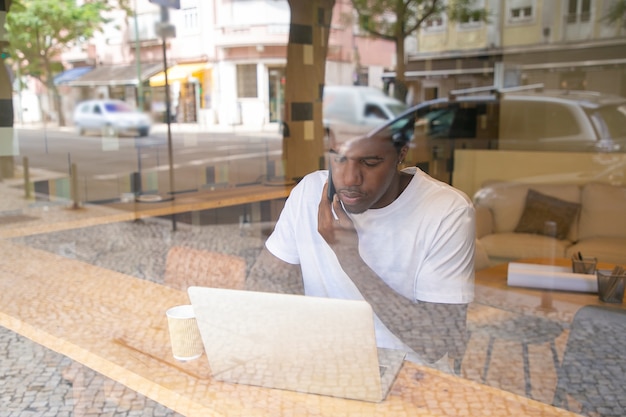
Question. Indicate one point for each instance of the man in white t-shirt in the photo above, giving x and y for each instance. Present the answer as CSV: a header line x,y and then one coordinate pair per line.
x,y
396,238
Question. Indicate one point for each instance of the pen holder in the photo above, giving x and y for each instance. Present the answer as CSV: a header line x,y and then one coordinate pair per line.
x,y
610,287
586,265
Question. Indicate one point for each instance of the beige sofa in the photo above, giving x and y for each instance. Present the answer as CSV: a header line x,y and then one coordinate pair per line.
x,y
513,224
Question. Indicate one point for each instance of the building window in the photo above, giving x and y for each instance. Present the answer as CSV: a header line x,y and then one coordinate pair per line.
x,y
578,11
246,81
520,10
473,18
145,27
435,23
190,18
519,13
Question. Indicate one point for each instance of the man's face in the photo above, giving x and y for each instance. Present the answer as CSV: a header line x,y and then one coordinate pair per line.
x,y
364,171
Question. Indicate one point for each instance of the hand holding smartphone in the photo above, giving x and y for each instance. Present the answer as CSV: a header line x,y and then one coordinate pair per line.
x,y
331,186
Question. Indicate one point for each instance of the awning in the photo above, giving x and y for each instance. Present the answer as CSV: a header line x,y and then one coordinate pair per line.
x,y
111,75
70,75
179,72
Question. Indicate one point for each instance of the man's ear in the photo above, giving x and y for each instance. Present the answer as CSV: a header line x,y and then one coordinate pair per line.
x,y
402,153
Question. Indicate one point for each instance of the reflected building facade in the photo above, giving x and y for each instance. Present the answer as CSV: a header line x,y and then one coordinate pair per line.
x,y
569,44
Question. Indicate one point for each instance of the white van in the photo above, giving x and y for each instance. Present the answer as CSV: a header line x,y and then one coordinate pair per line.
x,y
351,111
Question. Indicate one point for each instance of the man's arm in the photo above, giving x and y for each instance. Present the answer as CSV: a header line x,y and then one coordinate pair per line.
x,y
430,329
270,274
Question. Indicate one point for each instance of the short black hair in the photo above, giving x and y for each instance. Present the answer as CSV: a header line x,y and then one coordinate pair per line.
x,y
399,141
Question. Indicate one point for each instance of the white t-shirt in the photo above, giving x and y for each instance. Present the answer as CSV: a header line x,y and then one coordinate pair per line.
x,y
421,245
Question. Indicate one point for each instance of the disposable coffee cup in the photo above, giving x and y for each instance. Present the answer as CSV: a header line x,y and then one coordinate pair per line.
x,y
184,334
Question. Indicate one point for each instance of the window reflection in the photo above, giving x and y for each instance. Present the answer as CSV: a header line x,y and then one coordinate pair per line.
x,y
533,101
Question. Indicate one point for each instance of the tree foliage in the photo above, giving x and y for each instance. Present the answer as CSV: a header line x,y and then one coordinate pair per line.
x,y
39,31
616,13
395,20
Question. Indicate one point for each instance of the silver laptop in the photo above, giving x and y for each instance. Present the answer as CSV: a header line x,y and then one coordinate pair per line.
x,y
307,344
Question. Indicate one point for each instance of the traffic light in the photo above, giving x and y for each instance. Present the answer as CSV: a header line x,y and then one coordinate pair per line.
x,y
4,54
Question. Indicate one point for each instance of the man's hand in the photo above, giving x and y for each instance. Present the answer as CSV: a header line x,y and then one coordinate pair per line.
x,y
335,228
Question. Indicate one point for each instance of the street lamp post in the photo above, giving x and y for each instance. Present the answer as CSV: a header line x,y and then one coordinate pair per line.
x,y
168,107
138,60
166,30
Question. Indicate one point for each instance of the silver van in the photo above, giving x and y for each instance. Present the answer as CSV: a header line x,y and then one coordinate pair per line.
x,y
351,111
543,120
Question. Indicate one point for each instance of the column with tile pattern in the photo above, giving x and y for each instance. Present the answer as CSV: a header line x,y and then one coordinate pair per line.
x,y
306,59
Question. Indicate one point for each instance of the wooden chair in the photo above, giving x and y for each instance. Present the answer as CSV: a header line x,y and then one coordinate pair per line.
x,y
185,267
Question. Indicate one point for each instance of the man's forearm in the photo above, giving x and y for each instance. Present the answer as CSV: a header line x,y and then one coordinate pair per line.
x,y
431,329
270,274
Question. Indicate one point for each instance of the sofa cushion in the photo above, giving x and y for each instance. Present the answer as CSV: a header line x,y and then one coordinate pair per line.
x,y
523,245
603,211
546,215
484,221
506,201
607,249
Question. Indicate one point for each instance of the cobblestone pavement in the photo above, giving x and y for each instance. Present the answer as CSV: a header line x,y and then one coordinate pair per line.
x,y
35,381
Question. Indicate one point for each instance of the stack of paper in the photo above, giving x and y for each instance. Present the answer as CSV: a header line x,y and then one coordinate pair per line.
x,y
550,277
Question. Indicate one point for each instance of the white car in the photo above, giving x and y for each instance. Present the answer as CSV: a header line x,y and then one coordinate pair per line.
x,y
111,117
351,111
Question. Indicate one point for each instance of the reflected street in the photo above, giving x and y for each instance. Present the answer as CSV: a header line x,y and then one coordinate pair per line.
x,y
109,166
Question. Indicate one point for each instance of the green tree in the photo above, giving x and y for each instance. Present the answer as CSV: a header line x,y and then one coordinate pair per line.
x,y
395,20
40,30
616,13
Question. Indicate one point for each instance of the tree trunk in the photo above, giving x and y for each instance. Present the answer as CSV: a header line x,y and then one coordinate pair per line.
x,y
400,89
53,91
303,130
7,165
58,103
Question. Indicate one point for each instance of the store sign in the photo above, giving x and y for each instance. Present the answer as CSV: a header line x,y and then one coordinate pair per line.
x,y
165,30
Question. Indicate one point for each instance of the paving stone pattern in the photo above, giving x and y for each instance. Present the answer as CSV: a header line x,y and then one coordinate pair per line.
x,y
35,381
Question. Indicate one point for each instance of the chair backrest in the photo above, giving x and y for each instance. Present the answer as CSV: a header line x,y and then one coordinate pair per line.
x,y
185,267
593,370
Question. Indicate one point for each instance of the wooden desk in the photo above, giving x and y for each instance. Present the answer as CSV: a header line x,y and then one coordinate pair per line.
x,y
491,289
44,219
205,200
115,324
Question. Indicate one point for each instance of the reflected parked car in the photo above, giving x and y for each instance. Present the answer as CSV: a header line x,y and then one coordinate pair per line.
x,y
111,117
525,118
351,111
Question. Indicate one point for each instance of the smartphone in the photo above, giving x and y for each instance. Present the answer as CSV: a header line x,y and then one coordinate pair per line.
x,y
331,186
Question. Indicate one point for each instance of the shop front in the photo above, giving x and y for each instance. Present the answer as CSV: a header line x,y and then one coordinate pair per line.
x,y
190,91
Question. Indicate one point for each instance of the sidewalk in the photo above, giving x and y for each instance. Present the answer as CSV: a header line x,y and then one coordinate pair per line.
x,y
268,128
37,381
